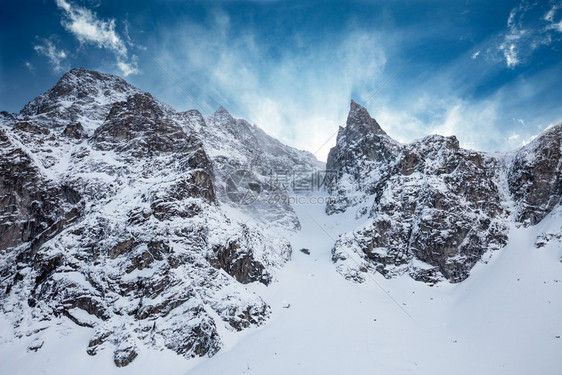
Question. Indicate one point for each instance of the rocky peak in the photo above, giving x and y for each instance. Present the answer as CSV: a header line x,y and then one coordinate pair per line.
x,y
77,84
362,137
360,122
192,119
433,201
361,147
234,145
429,200
122,233
223,117
80,95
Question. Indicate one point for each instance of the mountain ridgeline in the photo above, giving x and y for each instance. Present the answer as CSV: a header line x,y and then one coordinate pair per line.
x,y
115,213
430,208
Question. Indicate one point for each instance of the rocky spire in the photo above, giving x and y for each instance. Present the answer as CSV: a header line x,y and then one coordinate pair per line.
x,y
359,120
362,139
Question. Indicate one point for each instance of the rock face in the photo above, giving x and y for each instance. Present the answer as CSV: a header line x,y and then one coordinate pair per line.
x,y
239,149
535,179
433,209
110,218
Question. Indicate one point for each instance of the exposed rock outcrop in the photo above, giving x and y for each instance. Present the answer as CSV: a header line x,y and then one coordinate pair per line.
x,y
535,177
432,201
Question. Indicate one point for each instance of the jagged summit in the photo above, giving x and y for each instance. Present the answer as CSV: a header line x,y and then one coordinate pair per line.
x,y
222,111
222,118
81,95
360,141
360,120
79,83
433,201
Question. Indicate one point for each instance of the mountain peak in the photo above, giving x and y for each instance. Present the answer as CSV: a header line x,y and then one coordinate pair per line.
x,y
82,71
80,76
360,120
354,106
223,117
221,110
80,93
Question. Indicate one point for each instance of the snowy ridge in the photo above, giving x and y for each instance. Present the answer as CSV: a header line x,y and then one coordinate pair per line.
x,y
432,201
110,220
81,95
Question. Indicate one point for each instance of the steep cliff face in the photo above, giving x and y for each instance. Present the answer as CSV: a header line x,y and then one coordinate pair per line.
x,y
116,225
363,157
432,201
535,178
253,172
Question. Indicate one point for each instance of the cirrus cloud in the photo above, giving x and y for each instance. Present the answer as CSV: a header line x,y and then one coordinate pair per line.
x,y
87,28
56,56
527,31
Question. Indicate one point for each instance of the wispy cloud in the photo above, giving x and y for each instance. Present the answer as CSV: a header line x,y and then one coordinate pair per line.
x,y
299,95
57,57
87,28
474,123
526,32
510,52
511,43
550,18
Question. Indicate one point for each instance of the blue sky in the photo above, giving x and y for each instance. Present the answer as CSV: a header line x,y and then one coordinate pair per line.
x,y
489,72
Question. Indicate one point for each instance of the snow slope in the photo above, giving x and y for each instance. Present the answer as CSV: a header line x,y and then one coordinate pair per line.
x,y
504,319
142,180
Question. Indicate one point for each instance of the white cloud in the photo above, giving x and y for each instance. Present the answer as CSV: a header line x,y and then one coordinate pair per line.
x,y
128,67
510,45
549,17
299,97
87,28
526,32
475,55
510,53
56,56
556,26
514,137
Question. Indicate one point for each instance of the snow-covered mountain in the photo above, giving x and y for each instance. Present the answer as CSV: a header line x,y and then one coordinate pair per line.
x,y
431,208
130,232
112,218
